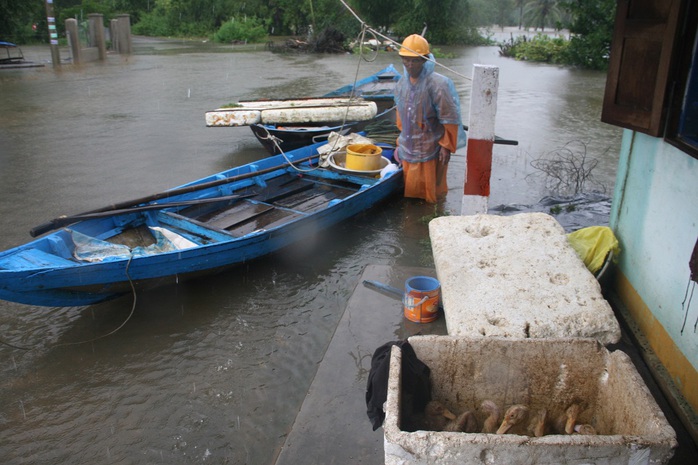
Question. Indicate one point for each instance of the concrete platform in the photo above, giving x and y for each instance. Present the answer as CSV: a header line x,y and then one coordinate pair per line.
x,y
516,276
332,425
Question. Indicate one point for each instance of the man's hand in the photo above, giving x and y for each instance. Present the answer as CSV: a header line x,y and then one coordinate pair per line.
x,y
444,155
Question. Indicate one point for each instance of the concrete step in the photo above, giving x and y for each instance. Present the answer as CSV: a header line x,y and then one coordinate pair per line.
x,y
332,425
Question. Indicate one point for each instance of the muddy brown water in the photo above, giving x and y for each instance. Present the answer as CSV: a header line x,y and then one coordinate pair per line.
x,y
213,370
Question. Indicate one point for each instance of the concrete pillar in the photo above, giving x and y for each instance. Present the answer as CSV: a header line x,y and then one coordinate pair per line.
x,y
478,164
71,29
96,34
121,34
114,35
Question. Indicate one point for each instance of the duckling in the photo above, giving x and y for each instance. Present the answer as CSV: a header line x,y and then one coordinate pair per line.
x,y
439,418
464,423
436,416
564,424
491,422
584,429
515,420
572,413
539,424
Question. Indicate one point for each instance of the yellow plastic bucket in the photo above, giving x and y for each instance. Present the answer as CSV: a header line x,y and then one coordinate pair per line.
x,y
363,157
421,301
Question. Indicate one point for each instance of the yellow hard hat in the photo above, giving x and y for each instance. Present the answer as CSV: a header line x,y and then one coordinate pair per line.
x,y
414,46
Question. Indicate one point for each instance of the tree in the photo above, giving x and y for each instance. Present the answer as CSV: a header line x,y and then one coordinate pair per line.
x,y
17,19
592,30
447,21
520,5
540,12
379,14
490,12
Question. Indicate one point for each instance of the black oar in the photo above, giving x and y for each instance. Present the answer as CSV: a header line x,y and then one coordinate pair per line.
x,y
58,222
498,140
66,220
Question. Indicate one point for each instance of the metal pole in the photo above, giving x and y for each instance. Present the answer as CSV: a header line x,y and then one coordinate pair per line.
x,y
53,34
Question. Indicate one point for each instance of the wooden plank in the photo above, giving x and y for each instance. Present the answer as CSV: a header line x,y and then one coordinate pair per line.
x,y
292,188
267,220
315,199
239,214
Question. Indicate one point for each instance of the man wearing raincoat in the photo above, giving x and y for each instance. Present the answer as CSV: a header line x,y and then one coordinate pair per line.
x,y
428,116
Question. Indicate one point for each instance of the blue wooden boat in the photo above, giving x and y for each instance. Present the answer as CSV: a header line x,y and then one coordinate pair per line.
x,y
202,227
378,87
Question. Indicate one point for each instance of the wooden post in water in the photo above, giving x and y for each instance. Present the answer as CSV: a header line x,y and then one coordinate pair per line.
x,y
53,34
478,163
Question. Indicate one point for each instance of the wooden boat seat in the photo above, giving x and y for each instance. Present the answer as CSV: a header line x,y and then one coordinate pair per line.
x,y
194,230
280,200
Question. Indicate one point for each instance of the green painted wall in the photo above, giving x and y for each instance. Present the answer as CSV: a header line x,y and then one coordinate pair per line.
x,y
655,216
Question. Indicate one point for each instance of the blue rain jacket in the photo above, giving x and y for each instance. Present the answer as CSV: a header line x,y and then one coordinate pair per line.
x,y
424,108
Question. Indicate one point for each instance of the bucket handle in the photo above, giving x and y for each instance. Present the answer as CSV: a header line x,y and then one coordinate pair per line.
x,y
404,302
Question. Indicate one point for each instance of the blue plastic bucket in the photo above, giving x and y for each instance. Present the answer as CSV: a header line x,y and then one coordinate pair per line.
x,y
421,302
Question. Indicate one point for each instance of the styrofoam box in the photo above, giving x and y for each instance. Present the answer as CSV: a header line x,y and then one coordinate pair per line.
x,y
539,373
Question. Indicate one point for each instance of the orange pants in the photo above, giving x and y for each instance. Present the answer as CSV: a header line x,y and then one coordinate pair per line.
x,y
421,180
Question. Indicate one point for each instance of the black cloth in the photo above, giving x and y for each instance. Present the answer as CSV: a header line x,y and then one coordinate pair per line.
x,y
693,263
416,384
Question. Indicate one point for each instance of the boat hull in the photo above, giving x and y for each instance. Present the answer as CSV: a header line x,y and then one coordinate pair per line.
x,y
274,210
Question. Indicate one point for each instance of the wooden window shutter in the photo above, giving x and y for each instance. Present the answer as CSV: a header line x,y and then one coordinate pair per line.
x,y
638,72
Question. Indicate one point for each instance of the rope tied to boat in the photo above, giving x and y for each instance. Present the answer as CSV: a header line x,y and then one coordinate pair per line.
x,y
275,140
128,318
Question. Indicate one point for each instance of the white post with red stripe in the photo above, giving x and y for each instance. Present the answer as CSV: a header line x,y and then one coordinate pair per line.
x,y
478,162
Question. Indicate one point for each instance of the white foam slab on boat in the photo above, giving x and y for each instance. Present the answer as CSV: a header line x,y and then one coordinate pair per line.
x,y
311,110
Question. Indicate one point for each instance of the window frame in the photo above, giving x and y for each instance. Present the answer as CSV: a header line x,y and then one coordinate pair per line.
x,y
656,39
644,37
686,63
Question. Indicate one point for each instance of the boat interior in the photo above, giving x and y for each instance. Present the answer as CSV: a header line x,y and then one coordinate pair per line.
x,y
259,204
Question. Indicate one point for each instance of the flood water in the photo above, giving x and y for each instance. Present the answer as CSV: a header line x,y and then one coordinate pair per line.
x,y
214,370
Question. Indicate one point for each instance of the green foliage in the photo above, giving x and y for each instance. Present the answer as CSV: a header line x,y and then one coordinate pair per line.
x,y
16,19
540,48
592,29
589,46
152,24
381,15
249,30
447,21
542,13
493,12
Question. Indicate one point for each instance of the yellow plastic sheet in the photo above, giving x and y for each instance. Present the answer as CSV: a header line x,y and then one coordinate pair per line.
x,y
593,244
